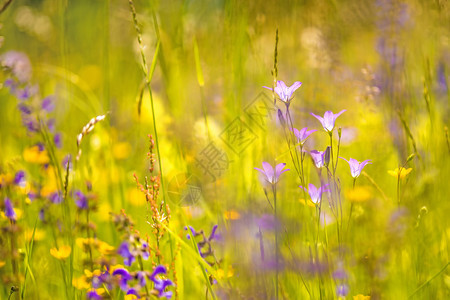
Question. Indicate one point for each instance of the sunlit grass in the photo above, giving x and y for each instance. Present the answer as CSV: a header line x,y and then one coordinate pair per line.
x,y
131,131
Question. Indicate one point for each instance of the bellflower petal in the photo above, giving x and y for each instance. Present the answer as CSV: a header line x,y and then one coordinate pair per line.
x,y
284,92
328,120
356,167
272,175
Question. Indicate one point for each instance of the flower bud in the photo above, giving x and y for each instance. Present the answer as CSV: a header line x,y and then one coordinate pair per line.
x,y
326,156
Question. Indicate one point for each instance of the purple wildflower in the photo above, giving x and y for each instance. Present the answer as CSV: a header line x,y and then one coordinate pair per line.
x,y
58,140
342,290
124,251
145,251
161,284
318,158
19,178
55,197
51,125
19,65
271,174
9,210
48,104
124,278
81,200
328,119
284,92
133,291
315,193
302,134
356,166
141,278
92,295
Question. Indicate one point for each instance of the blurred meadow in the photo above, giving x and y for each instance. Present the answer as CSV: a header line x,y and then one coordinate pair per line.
x,y
130,132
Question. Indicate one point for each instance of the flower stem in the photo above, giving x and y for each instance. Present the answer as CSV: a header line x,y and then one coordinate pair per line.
x,y
274,190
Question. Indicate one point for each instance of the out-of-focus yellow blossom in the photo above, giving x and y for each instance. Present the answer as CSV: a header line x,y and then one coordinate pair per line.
x,y
62,253
36,156
361,297
50,184
39,234
103,211
309,203
130,297
18,211
81,283
90,274
358,194
136,197
231,215
402,172
99,291
2,264
121,150
6,179
221,273
102,247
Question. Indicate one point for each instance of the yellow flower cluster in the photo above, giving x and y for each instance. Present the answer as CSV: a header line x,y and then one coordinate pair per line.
x,y
400,172
62,253
102,247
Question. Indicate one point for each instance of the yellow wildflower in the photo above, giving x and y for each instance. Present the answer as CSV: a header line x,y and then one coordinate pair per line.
x,y
121,150
231,215
105,248
361,297
400,172
2,263
136,197
18,211
81,282
62,253
130,297
90,274
50,185
36,155
221,273
38,234
358,194
309,203
6,179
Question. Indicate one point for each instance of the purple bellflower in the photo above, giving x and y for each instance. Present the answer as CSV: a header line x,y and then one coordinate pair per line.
x,y
318,158
328,119
9,210
356,166
272,175
315,193
284,92
302,134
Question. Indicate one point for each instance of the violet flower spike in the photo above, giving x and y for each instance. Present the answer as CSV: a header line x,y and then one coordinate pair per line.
x,y
9,210
315,193
272,175
284,92
302,135
328,119
356,167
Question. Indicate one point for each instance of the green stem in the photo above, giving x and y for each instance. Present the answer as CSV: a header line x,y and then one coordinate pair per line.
x,y
274,190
